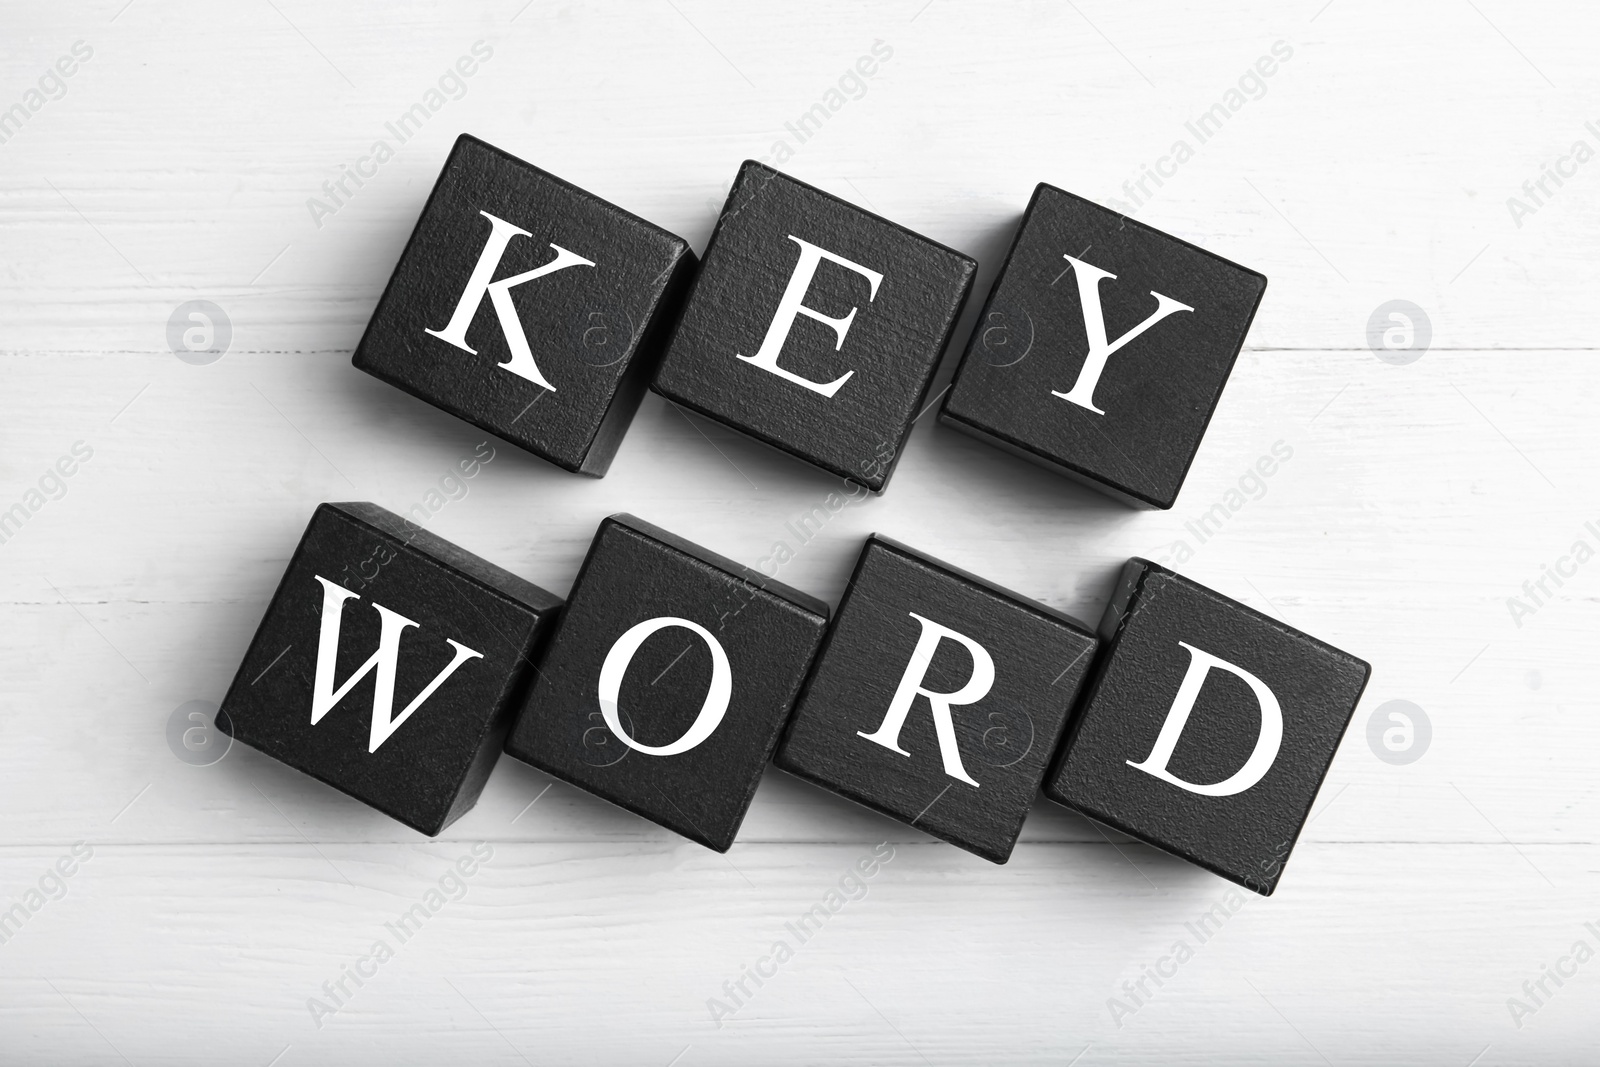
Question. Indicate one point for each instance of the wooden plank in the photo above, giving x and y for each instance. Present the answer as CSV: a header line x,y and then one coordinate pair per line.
x,y
555,951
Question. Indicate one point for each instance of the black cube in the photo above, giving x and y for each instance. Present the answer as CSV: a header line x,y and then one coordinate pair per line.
x,y
814,326
388,665
669,680
529,307
938,698
1207,728
1103,349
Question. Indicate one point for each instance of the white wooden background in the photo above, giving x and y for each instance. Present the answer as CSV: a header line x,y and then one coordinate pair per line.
x,y
218,899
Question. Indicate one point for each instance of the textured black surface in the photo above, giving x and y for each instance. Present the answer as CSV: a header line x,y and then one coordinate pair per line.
x,y
1005,739
1246,837
891,348
430,771
636,572
595,333
1157,392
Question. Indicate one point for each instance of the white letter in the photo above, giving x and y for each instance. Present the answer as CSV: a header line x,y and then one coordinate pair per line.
x,y
1094,328
711,712
500,234
323,696
1267,741
977,687
790,306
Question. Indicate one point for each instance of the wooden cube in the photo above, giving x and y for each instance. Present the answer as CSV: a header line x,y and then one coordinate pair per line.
x,y
669,680
1208,727
1103,349
388,665
814,326
938,698
529,307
